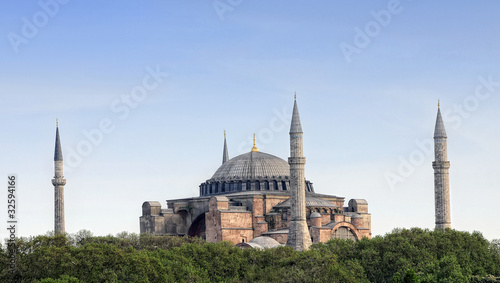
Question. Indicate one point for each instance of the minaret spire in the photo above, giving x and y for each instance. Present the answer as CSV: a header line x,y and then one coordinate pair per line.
x,y
441,175
295,127
58,152
298,236
58,182
439,131
225,154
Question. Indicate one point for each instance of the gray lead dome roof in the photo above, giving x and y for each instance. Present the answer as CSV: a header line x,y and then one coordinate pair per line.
x,y
310,202
253,165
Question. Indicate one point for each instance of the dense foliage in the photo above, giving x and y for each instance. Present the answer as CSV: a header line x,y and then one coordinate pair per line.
x,y
413,255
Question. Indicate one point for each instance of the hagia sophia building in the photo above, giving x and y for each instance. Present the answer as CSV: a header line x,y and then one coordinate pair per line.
x,y
254,196
260,200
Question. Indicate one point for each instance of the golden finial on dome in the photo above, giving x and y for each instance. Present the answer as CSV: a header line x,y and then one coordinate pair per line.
x,y
254,148
224,134
295,96
438,103
57,123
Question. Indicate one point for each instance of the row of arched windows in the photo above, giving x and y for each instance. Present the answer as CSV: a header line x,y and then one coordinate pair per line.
x,y
224,187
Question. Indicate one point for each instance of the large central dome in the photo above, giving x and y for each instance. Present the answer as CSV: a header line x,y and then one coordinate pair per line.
x,y
252,171
252,165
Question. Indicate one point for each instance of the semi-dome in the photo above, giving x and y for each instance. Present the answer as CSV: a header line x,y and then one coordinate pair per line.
x,y
311,202
252,165
261,242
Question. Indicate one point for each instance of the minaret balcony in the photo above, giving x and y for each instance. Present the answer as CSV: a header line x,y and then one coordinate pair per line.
x,y
296,160
59,181
441,164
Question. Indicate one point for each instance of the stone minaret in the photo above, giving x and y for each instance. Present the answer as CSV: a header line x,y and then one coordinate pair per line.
x,y
58,183
298,236
225,154
441,178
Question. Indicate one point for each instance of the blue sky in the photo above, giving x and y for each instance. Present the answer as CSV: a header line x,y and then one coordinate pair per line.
x,y
367,116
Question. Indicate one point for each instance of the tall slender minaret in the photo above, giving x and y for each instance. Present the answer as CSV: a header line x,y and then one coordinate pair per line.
x,y
441,177
58,183
225,154
298,236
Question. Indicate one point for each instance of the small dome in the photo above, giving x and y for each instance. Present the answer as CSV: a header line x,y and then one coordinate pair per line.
x,y
315,215
265,242
251,166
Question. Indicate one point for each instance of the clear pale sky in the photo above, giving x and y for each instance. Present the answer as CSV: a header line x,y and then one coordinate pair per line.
x,y
144,90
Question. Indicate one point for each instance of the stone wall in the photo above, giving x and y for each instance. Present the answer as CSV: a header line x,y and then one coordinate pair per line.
x,y
230,219
236,236
153,224
213,219
244,217
325,218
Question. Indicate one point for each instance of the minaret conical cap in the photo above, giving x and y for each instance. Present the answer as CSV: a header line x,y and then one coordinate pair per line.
x,y
58,152
225,154
295,126
439,131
